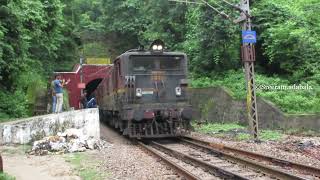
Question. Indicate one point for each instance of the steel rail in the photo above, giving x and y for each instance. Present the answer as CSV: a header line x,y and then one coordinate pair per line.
x,y
250,163
305,168
217,170
180,170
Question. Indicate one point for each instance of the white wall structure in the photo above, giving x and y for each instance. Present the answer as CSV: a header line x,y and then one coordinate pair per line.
x,y
31,129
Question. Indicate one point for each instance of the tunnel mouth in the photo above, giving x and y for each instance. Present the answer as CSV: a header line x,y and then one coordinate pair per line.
x,y
92,86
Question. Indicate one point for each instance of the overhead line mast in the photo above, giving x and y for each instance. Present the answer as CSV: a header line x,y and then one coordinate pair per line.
x,y
247,55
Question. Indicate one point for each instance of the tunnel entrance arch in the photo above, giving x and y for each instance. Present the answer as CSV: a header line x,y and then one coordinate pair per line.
x,y
92,86
93,74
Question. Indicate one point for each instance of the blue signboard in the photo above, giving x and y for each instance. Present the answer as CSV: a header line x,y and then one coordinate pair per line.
x,y
249,37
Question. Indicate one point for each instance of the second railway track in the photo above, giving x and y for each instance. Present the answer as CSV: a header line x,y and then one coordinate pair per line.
x,y
232,153
194,159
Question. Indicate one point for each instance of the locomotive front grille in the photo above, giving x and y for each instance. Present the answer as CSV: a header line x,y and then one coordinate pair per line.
x,y
157,75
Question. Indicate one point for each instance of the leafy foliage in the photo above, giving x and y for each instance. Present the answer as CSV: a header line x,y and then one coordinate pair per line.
x,y
5,176
289,33
35,38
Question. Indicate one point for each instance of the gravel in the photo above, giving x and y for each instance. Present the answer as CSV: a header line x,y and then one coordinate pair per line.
x,y
303,150
124,160
214,160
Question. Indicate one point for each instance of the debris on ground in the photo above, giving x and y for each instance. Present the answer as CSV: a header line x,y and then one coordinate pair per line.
x,y
72,140
303,150
308,146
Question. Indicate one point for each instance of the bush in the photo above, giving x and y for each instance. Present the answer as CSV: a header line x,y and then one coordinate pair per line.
x,y
5,176
17,104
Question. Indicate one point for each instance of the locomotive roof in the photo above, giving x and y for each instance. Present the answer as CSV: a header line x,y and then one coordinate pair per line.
x,y
127,54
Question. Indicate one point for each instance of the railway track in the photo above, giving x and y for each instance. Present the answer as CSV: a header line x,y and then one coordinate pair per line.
x,y
231,152
196,159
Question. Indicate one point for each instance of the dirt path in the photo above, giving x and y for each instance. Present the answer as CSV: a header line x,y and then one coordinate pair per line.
x,y
120,159
25,167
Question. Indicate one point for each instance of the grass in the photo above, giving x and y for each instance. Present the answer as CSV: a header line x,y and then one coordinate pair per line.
x,y
5,176
236,132
299,132
84,167
17,149
217,128
4,117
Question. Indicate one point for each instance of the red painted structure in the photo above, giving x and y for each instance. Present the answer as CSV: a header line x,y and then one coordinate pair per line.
x,y
93,74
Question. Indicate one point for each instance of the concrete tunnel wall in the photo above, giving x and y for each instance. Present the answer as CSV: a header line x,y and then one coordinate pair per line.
x,y
30,129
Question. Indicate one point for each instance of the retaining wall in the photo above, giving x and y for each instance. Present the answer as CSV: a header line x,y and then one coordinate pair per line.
x,y
215,104
34,128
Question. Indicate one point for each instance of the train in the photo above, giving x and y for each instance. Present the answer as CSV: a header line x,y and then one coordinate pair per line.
x,y
145,93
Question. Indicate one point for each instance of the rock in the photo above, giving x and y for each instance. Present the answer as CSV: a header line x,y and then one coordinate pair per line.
x,y
76,146
53,138
72,140
58,146
74,133
93,143
61,134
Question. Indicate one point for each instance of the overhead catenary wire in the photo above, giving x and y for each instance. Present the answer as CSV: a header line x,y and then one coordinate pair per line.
x,y
203,2
236,7
186,1
216,10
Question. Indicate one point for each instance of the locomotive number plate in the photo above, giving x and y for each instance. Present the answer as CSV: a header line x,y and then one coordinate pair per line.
x,y
147,92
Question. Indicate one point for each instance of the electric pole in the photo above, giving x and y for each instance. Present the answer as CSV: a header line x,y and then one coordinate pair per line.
x,y
247,55
248,58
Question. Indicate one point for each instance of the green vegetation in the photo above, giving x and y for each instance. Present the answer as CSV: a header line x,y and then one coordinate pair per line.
x,y
37,37
5,176
300,132
290,101
95,49
18,149
235,131
85,168
216,128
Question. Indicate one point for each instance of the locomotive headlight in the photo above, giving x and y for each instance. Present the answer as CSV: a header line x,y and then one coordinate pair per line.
x,y
138,92
178,91
155,47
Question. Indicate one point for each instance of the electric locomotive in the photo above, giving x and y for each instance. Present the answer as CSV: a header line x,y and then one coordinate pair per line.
x,y
145,96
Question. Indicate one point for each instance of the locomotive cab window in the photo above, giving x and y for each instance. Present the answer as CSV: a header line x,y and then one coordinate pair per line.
x,y
149,63
142,64
170,63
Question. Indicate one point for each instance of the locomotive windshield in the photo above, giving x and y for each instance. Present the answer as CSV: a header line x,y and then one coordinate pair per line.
x,y
150,63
